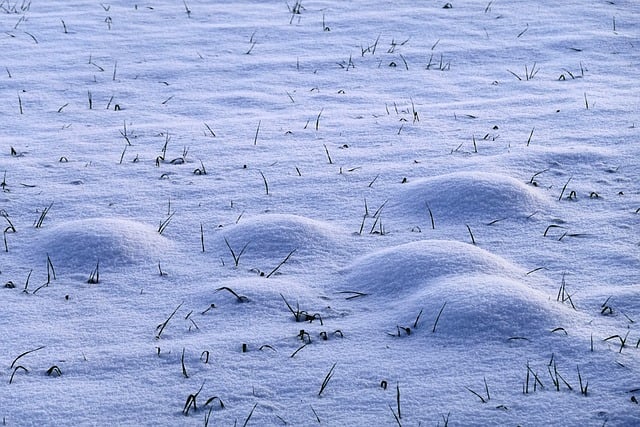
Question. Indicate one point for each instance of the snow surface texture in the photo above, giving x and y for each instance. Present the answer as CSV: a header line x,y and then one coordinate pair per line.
x,y
320,213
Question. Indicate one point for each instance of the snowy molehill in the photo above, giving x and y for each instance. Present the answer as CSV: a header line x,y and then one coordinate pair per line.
x,y
319,213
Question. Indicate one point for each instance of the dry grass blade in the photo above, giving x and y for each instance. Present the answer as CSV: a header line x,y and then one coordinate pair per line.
x,y
50,270
266,184
564,188
288,305
435,324
473,240
398,400
395,416
250,415
94,277
433,223
281,263
54,371
354,294
42,216
191,401
315,414
415,324
327,378
255,138
326,150
210,130
482,399
298,350
163,224
184,368
166,322
213,399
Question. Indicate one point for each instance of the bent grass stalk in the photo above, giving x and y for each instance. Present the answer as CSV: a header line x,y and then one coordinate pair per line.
x,y
184,369
16,370
486,388
435,324
433,224
21,355
266,184
239,298
191,401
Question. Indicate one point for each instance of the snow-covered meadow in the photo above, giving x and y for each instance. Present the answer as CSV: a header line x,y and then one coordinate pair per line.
x,y
320,212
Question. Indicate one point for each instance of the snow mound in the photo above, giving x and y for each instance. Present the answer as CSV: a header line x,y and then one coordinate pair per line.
x,y
465,196
482,293
488,305
274,236
78,245
402,270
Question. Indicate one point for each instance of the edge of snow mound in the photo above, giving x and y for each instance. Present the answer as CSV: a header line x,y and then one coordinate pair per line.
x,y
463,196
273,236
401,270
76,246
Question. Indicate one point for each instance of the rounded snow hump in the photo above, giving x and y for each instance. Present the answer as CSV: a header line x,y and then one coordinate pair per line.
x,y
272,237
76,246
477,291
400,270
465,196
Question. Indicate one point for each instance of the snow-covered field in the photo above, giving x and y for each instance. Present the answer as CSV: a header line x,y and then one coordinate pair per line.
x,y
320,212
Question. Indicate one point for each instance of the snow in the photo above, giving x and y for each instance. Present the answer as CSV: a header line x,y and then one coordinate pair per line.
x,y
319,212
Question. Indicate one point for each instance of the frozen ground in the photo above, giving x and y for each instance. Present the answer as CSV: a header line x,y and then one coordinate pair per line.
x,y
321,212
